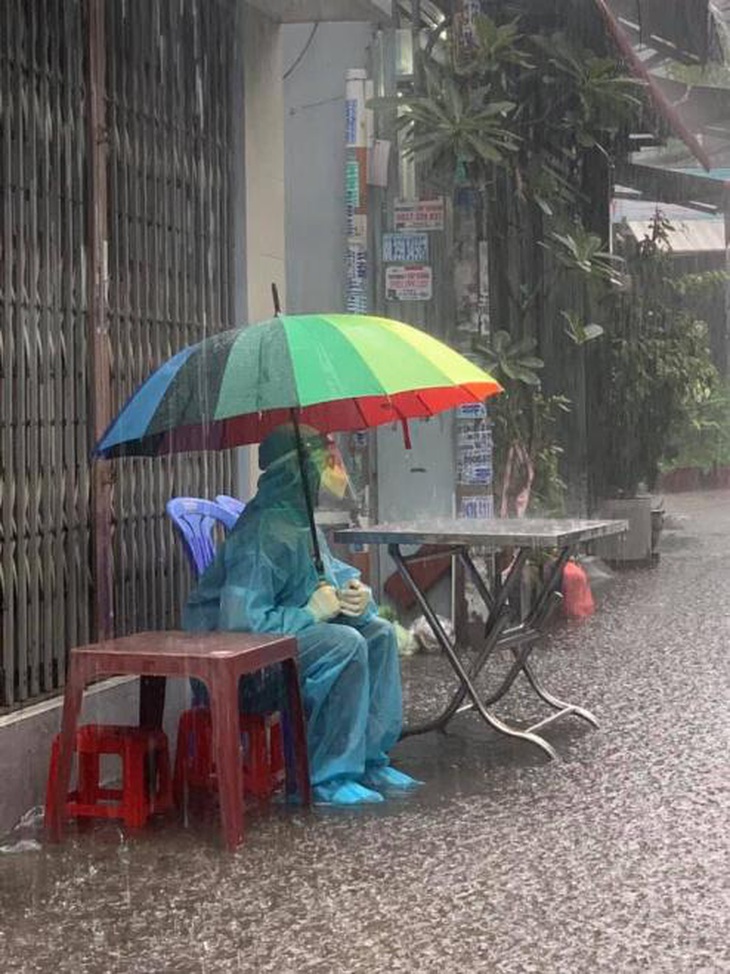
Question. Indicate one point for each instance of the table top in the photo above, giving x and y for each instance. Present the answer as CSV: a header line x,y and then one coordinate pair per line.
x,y
189,645
521,532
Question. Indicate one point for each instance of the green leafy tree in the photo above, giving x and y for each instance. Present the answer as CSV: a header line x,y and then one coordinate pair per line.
x,y
657,376
452,123
524,422
518,115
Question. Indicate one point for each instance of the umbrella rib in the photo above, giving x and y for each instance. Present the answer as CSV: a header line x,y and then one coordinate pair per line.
x,y
365,423
425,405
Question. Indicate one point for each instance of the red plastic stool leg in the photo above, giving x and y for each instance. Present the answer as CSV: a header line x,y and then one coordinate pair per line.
x,y
277,763
256,767
56,799
88,778
163,799
135,804
193,761
179,779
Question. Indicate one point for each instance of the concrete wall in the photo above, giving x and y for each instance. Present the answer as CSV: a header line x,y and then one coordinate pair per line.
x,y
264,161
314,152
261,168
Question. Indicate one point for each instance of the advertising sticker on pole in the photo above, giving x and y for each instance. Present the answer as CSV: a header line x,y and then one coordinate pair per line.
x,y
419,214
408,283
405,247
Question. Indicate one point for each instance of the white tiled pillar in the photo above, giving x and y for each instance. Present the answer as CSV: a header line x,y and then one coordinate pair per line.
x,y
262,195
264,161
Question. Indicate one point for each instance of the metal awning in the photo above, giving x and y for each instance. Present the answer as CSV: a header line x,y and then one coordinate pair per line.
x,y
653,35
690,231
667,28
690,187
639,69
687,237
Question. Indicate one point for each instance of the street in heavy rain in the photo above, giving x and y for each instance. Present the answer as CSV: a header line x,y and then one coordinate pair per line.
x,y
364,486
613,859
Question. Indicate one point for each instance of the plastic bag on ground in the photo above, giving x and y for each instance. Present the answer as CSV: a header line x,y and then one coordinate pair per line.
x,y
423,634
577,596
407,642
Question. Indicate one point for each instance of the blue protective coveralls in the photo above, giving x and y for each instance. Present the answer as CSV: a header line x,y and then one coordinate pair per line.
x,y
260,581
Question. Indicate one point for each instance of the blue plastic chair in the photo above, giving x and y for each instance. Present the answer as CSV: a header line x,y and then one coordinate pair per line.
x,y
195,520
231,505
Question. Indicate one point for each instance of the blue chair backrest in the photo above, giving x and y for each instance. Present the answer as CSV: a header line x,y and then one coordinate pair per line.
x,y
195,519
231,504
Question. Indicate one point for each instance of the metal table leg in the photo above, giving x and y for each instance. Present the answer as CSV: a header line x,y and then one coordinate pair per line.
x,y
467,687
520,639
563,708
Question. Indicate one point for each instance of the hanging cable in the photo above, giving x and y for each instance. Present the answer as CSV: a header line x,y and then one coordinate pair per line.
x,y
303,51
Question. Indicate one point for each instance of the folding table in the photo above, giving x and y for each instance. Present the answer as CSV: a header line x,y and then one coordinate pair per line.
x,y
458,538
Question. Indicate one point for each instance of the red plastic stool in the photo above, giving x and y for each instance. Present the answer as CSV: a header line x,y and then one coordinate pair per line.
x,y
138,748
262,749
219,659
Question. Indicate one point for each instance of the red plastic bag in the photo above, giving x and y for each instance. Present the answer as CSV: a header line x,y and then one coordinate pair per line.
x,y
577,596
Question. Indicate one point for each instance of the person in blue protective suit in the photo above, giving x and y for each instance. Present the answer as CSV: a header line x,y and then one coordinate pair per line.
x,y
263,579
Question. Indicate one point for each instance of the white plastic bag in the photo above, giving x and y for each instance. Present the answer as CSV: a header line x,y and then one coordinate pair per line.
x,y
407,642
424,636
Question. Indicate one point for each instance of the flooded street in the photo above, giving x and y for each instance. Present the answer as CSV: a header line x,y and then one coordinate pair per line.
x,y
613,860
324,325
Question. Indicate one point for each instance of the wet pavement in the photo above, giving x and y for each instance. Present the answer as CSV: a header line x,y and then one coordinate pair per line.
x,y
613,860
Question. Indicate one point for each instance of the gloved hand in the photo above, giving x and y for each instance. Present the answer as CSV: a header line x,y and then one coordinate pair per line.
x,y
323,603
354,598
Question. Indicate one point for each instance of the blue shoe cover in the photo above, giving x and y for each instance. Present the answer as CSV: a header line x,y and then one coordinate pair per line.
x,y
344,793
387,777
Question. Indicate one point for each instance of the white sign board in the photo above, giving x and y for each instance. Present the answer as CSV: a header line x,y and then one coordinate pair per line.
x,y
477,507
411,283
419,214
408,248
472,410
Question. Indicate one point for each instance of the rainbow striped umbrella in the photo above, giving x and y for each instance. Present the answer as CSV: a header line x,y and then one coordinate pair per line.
x,y
332,371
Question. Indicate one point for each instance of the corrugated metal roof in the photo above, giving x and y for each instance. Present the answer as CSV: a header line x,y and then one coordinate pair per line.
x,y
690,237
639,210
638,69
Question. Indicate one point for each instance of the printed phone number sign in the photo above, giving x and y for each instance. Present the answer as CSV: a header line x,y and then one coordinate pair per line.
x,y
408,283
419,214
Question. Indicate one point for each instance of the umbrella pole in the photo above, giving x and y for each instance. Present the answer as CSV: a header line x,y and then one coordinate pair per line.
x,y
302,462
307,494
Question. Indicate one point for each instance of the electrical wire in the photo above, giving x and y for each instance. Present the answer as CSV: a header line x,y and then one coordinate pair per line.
x,y
303,51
